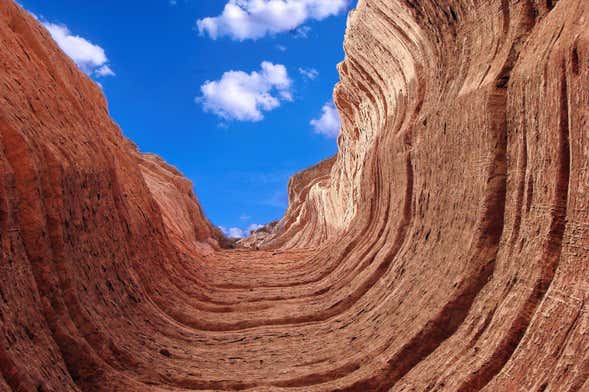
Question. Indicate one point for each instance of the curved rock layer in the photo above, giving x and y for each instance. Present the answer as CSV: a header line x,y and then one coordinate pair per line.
x,y
445,247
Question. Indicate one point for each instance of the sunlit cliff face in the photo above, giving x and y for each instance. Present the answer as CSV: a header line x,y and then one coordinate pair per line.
x,y
443,248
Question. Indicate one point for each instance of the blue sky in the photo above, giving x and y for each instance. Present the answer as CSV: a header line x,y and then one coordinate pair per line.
x,y
234,93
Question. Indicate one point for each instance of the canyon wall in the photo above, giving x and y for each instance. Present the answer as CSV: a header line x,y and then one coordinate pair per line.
x,y
444,247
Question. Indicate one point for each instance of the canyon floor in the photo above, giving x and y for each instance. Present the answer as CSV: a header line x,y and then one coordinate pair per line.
x,y
444,248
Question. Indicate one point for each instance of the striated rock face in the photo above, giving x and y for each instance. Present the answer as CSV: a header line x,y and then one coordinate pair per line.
x,y
445,247
183,217
260,236
309,220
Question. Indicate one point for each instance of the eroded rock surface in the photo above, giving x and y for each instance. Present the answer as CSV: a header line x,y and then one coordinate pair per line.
x,y
445,247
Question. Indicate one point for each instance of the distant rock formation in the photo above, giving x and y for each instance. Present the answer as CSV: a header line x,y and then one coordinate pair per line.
x,y
260,237
444,248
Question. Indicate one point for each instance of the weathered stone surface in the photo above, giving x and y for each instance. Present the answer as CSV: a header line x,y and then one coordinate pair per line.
x,y
307,222
445,247
261,236
183,217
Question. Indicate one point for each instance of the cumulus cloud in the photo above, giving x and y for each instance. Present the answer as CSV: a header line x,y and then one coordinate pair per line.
x,y
105,70
254,227
329,123
245,96
89,57
253,19
309,73
236,232
233,232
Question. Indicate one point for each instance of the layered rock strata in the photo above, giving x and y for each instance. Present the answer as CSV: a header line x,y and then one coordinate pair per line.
x,y
445,246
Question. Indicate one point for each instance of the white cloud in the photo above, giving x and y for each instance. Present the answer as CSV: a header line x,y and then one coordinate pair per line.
x,y
89,57
253,19
244,97
233,232
302,32
105,70
281,48
329,123
253,227
309,73
236,232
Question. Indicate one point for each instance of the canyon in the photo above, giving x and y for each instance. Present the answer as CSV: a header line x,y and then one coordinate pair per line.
x,y
444,248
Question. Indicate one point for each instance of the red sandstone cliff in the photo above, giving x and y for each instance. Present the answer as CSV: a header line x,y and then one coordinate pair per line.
x,y
445,247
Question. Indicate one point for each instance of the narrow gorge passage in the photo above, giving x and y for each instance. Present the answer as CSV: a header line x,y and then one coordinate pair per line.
x,y
444,248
